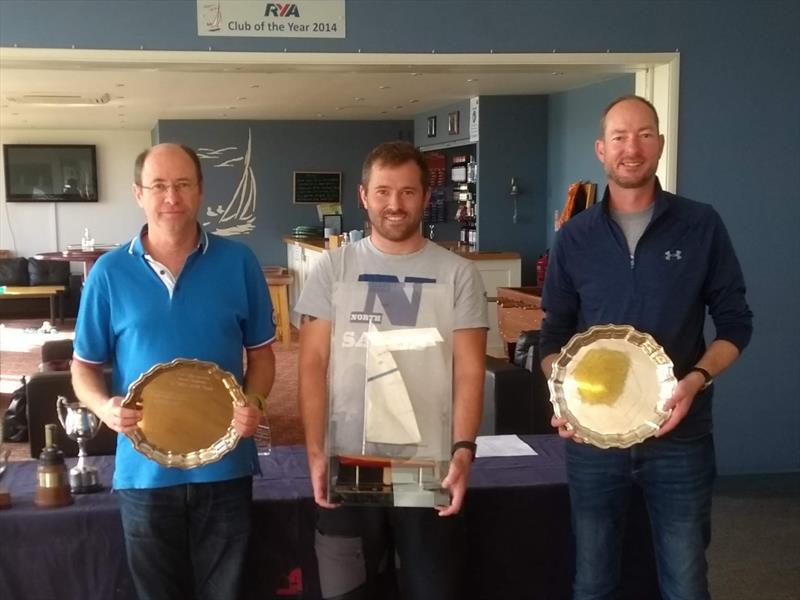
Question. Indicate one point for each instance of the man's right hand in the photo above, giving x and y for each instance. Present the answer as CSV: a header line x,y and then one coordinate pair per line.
x,y
318,469
119,418
565,430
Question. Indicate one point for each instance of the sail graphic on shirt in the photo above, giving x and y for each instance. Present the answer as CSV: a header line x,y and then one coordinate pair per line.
x,y
238,216
389,413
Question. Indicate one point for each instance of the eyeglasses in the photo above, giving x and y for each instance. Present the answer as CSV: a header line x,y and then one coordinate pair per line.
x,y
161,189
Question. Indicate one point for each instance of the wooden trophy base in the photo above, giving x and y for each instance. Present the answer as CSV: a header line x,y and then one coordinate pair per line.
x,y
52,497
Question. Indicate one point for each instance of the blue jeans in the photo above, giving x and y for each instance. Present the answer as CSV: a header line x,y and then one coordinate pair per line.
x,y
676,478
187,541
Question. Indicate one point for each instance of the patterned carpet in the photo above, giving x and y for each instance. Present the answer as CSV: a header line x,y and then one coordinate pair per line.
x,y
20,348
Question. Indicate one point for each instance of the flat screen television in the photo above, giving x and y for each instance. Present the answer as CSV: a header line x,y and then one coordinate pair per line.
x,y
50,172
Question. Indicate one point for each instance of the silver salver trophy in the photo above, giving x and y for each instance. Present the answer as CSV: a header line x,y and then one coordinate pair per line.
x,y
390,394
81,425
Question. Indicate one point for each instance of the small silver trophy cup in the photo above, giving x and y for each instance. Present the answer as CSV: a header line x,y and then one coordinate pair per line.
x,y
81,425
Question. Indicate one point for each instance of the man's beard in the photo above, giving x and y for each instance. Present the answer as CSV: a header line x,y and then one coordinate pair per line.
x,y
395,232
632,182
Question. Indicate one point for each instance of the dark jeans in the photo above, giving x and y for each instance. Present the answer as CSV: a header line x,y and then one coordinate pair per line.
x,y
357,546
676,477
187,541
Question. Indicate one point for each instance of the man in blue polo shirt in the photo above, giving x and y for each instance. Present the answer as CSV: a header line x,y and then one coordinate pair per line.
x,y
177,292
657,261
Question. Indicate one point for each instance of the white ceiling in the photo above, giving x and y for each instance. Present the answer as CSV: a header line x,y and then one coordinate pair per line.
x,y
143,87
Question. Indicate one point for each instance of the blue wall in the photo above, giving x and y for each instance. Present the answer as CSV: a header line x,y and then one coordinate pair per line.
x,y
513,143
739,130
572,127
278,149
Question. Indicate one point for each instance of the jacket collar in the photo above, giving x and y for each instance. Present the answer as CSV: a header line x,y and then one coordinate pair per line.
x,y
661,202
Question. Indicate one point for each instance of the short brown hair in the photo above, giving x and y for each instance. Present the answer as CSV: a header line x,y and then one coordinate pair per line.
x,y
138,165
394,154
616,101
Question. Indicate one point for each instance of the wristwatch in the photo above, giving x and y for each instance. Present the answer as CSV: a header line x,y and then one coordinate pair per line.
x,y
706,375
471,446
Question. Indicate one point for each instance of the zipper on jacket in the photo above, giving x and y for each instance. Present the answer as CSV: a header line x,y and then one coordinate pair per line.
x,y
633,261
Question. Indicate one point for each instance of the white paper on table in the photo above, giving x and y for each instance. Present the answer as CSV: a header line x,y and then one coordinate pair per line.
x,y
502,445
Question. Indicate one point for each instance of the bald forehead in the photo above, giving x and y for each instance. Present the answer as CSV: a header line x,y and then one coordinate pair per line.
x,y
632,110
161,150
166,156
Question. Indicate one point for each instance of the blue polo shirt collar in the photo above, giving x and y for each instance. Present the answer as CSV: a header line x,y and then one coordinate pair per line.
x,y
136,247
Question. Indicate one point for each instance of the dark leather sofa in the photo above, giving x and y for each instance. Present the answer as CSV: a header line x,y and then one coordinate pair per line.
x,y
43,389
32,272
516,398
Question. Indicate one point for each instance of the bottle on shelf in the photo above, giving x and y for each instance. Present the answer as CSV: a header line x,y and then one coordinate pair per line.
x,y
87,242
472,170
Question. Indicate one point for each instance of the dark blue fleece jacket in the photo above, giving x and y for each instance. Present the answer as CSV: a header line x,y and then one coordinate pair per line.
x,y
683,263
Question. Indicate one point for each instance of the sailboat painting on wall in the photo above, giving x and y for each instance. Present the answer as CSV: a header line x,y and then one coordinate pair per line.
x,y
238,217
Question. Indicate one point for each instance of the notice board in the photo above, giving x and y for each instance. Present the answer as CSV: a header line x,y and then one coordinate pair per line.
x,y
314,187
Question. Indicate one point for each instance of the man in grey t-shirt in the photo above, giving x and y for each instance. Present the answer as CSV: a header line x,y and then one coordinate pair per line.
x,y
351,542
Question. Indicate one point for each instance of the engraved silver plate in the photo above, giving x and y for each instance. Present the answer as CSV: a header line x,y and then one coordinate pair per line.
x,y
187,407
611,383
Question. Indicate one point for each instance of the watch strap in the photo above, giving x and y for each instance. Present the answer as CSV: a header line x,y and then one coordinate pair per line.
x,y
706,375
258,399
471,446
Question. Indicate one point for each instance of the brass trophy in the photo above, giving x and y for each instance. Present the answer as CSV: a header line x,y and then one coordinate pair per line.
x,y
81,425
52,488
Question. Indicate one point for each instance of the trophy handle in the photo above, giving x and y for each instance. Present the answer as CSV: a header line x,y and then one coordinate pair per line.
x,y
61,409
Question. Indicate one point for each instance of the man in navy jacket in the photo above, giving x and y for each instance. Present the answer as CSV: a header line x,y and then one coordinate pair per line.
x,y
656,261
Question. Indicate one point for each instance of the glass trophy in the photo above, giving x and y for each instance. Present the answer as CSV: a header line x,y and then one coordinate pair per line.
x,y
390,394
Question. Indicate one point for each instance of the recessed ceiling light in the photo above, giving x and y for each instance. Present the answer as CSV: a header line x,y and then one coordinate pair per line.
x,y
241,97
339,108
413,101
384,87
320,115
255,85
557,73
415,74
398,106
472,79
358,99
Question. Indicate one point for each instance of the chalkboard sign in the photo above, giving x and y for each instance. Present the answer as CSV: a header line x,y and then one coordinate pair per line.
x,y
313,187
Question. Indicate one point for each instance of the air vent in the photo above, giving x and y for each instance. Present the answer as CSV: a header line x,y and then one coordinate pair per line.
x,y
60,100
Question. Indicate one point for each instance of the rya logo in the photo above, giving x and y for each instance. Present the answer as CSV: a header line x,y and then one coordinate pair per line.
x,y
676,254
276,9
